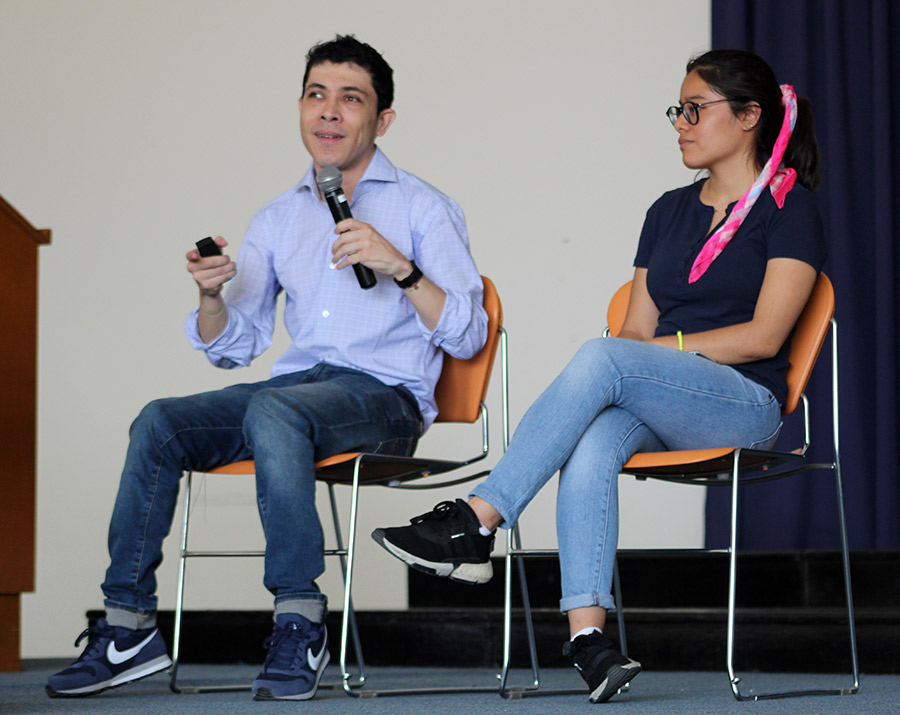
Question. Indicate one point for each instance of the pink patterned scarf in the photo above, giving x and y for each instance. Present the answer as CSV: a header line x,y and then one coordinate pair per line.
x,y
779,181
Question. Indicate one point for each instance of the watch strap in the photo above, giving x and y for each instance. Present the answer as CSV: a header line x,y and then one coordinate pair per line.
x,y
412,278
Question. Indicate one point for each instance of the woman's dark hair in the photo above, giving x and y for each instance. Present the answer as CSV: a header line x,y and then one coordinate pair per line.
x,y
346,48
744,78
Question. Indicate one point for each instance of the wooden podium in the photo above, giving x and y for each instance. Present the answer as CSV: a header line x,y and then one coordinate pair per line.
x,y
19,243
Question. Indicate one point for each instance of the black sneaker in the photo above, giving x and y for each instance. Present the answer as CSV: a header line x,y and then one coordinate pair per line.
x,y
443,542
602,666
113,656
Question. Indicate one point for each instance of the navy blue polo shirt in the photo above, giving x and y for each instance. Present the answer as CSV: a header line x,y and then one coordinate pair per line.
x,y
675,230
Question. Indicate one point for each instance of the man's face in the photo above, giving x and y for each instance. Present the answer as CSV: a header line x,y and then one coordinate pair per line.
x,y
339,118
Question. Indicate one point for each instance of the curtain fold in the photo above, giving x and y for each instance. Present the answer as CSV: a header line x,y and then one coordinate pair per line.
x,y
841,56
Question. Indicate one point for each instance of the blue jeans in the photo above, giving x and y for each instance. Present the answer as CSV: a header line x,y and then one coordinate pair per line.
x,y
285,424
617,397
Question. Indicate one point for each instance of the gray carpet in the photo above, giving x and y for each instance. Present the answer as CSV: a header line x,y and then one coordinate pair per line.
x,y
663,693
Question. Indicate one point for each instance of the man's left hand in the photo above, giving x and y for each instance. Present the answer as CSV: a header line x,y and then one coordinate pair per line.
x,y
359,242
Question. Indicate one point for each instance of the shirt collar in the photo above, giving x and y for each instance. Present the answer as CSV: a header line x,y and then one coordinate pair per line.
x,y
380,169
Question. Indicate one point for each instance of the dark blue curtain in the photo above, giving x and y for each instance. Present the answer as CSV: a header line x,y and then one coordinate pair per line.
x,y
844,56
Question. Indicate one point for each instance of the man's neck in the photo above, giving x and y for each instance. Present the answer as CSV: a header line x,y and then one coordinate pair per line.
x,y
351,176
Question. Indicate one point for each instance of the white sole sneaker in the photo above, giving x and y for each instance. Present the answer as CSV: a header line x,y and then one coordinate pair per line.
x,y
463,573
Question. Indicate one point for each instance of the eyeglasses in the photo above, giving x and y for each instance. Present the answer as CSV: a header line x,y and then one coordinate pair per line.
x,y
690,110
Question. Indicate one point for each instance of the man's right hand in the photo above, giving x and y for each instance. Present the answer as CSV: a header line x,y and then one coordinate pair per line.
x,y
212,272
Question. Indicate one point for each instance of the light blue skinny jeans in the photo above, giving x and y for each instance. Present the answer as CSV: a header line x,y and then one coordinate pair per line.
x,y
617,397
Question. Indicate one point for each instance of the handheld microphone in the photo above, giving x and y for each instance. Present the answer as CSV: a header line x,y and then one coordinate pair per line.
x,y
329,182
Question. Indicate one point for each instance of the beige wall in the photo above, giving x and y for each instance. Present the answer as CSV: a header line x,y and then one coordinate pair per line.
x,y
131,129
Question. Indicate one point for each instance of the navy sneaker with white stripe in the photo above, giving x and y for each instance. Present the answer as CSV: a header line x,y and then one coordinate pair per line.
x,y
298,654
113,656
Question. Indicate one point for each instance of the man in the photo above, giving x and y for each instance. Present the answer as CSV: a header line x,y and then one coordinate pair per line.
x,y
359,374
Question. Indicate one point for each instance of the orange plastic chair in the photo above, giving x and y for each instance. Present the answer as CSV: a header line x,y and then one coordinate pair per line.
x,y
735,466
460,395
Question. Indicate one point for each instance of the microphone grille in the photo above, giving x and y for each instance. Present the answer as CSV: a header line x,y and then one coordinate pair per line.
x,y
329,179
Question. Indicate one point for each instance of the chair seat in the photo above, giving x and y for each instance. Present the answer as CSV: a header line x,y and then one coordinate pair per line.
x,y
713,466
374,468
705,466
245,466
660,460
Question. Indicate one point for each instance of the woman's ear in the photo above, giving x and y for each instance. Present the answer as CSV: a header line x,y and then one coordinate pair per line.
x,y
749,116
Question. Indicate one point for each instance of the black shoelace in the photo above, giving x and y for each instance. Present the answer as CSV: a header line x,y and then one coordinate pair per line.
x,y
444,510
96,636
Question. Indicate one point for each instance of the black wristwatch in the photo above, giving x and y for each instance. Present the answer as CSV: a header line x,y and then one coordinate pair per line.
x,y
411,279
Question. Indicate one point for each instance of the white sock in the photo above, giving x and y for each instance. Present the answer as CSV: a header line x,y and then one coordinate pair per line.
x,y
483,530
587,631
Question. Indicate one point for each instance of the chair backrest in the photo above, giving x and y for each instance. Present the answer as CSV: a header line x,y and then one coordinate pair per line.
x,y
464,383
806,340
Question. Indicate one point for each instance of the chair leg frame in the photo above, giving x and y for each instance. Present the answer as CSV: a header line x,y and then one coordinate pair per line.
x,y
346,627
348,622
351,550
845,559
734,680
179,605
514,550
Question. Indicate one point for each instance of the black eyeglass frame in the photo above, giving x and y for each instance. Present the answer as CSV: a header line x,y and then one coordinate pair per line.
x,y
676,110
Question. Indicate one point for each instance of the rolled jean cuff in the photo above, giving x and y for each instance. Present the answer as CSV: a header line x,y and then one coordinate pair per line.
x,y
587,600
312,609
127,618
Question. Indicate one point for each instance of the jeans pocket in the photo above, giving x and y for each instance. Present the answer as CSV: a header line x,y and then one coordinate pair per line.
x,y
399,446
767,443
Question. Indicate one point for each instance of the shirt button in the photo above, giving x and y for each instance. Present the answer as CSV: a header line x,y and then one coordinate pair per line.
x,y
325,313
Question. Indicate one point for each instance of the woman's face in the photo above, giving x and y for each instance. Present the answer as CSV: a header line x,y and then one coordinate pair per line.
x,y
719,139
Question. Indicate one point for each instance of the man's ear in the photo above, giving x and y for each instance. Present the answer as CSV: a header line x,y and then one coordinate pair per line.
x,y
385,118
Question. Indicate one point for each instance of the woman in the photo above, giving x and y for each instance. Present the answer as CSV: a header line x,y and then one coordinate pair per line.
x,y
723,270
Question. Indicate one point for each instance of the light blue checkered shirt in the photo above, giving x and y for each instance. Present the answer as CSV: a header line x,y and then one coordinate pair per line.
x,y
328,316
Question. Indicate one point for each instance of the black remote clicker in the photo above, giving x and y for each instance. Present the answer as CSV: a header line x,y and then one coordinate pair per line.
x,y
208,247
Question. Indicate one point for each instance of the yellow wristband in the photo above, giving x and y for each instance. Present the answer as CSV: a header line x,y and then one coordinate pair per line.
x,y
680,341
213,315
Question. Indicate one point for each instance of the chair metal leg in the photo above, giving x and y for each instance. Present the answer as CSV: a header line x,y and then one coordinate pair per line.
x,y
179,610
514,549
348,578
845,546
358,692
513,539
179,605
354,629
620,616
732,588
732,578
848,590
179,596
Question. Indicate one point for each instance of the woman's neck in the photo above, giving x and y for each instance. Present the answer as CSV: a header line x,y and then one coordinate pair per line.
x,y
723,188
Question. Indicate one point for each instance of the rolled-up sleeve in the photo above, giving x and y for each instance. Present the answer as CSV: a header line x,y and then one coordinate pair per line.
x,y
442,253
